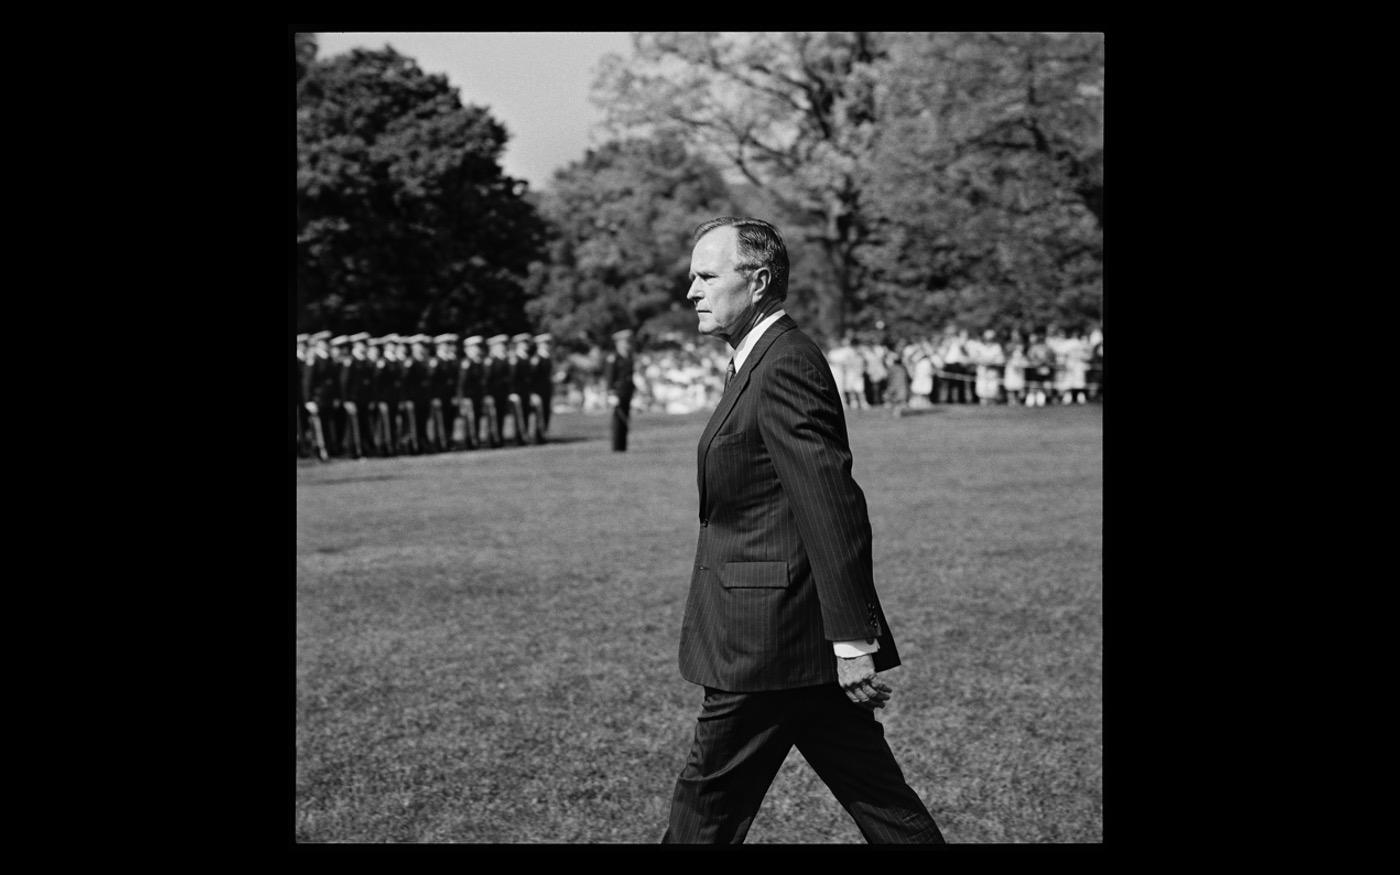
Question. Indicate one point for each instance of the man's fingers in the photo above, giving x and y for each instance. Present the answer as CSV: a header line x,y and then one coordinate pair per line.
x,y
878,697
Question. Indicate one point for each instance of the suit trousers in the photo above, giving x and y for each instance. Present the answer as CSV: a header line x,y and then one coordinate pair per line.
x,y
742,739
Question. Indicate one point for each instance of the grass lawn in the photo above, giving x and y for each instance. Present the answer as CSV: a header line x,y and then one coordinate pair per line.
x,y
486,641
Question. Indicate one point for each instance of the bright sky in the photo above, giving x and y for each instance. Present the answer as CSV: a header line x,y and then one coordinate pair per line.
x,y
535,83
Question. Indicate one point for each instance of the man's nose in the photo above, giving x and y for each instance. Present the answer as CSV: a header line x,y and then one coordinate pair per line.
x,y
693,294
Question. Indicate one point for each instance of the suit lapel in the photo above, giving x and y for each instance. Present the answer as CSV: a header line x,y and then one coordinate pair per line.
x,y
731,395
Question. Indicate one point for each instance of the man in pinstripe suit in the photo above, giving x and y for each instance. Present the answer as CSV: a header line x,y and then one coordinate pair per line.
x,y
782,624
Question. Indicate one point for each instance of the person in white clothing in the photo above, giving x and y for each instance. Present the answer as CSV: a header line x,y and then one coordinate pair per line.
x,y
989,358
1014,374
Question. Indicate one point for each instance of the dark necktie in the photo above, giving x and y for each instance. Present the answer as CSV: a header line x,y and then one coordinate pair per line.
x,y
728,374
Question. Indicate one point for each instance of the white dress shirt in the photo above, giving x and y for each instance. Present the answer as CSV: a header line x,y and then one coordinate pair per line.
x,y
844,649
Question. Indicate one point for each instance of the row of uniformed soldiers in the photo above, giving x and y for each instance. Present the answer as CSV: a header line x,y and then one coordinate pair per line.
x,y
361,396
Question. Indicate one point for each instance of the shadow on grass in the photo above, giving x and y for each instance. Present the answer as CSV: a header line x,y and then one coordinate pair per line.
x,y
314,463
921,411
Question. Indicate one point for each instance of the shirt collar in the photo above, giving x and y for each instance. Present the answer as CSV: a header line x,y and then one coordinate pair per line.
x,y
741,351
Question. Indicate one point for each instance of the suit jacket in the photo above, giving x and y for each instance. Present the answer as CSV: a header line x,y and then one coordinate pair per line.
x,y
783,564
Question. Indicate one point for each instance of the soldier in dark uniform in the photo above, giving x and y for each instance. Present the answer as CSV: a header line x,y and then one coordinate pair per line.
x,y
336,416
496,383
324,390
347,412
389,390
302,444
520,381
617,376
434,439
542,380
420,383
445,387
361,390
412,417
405,418
376,405
470,410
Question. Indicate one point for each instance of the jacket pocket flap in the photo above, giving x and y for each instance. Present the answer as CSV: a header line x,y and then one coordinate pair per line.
x,y
768,575
736,437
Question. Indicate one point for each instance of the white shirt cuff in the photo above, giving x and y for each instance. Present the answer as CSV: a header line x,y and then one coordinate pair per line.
x,y
849,649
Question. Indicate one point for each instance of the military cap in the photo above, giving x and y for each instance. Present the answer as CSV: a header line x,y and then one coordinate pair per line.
x,y
303,338
378,341
474,340
624,334
544,338
496,339
445,338
523,337
340,341
419,338
392,337
359,337
321,335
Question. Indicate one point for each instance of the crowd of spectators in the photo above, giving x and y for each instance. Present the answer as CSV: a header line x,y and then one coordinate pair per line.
x,y
953,366
1033,369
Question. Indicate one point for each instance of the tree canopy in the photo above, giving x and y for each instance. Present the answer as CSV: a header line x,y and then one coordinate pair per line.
x,y
790,113
986,183
919,178
619,251
405,219
940,176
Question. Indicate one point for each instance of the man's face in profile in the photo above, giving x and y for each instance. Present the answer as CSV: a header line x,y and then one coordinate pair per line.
x,y
720,292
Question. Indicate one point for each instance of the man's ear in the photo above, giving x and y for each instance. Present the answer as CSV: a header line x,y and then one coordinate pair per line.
x,y
758,284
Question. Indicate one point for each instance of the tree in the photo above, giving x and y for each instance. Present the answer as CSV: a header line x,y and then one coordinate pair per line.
x,y
792,114
405,219
619,250
940,176
987,181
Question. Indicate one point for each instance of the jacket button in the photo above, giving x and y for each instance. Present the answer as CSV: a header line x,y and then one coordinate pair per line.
x,y
704,523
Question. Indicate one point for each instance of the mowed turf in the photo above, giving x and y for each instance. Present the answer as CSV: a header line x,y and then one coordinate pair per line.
x,y
486,641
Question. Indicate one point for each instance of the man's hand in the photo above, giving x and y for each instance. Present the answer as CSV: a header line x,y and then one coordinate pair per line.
x,y
857,678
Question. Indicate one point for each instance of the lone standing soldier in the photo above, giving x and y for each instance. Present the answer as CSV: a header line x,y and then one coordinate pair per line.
x,y
469,392
617,376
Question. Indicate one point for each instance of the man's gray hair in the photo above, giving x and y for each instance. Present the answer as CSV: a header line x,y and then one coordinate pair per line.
x,y
760,245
